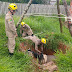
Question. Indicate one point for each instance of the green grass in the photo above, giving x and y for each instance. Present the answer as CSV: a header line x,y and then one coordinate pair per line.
x,y
20,62
64,61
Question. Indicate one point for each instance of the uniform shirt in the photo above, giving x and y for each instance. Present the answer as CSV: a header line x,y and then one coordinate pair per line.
x,y
9,25
25,27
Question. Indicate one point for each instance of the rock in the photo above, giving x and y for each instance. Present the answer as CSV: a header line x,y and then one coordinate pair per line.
x,y
45,58
48,64
48,58
52,68
30,54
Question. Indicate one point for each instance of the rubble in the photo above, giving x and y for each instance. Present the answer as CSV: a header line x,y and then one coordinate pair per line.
x,y
48,65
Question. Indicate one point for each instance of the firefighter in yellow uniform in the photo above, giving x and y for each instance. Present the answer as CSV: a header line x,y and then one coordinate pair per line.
x,y
10,27
25,29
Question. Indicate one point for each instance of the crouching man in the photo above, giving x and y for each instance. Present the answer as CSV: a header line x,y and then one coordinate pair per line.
x,y
25,30
38,43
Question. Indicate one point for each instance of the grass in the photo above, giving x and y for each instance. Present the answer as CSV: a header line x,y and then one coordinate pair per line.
x,y
20,62
64,62
49,29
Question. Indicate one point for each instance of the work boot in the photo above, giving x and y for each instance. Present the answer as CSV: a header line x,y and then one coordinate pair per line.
x,y
11,54
40,56
29,50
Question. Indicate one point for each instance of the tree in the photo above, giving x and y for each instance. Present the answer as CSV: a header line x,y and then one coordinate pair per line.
x,y
68,2
46,2
24,1
49,1
37,2
23,14
59,15
68,14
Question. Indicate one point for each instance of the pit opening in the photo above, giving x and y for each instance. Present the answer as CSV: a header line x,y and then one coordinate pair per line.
x,y
49,53
61,47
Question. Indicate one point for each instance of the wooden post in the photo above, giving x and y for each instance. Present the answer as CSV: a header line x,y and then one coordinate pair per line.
x,y
23,14
71,8
59,16
68,14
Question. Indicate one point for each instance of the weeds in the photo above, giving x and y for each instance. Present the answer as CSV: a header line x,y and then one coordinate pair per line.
x,y
48,28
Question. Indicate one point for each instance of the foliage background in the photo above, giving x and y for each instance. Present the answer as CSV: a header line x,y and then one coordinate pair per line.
x,y
24,1
34,1
68,2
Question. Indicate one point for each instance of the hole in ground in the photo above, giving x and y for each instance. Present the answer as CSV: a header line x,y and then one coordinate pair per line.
x,y
49,53
61,47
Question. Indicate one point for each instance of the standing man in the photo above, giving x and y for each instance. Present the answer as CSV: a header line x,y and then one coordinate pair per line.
x,y
10,27
25,28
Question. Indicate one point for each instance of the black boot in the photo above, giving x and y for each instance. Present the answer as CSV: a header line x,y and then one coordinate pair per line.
x,y
40,56
11,54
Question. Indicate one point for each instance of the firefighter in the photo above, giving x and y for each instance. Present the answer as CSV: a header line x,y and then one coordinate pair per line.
x,y
10,27
25,29
38,42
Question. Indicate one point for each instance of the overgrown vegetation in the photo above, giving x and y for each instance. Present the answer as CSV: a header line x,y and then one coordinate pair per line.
x,y
19,62
24,1
64,61
68,2
42,27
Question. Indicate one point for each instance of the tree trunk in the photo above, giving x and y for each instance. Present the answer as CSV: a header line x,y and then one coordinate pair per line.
x,y
23,14
49,2
59,16
12,1
68,14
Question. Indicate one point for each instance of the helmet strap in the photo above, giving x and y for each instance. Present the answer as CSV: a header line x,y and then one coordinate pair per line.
x,y
12,12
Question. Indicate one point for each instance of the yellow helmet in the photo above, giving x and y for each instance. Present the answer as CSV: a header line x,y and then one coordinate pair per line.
x,y
43,40
12,6
22,23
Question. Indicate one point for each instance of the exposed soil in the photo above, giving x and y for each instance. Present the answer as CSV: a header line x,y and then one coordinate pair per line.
x,y
47,66
62,47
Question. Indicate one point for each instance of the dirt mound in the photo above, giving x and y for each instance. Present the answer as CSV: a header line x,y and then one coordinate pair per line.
x,y
62,47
